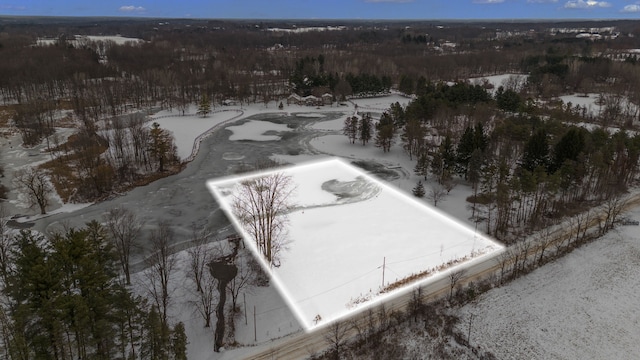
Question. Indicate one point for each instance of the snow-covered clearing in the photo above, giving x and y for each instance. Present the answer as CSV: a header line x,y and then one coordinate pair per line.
x,y
505,80
380,103
339,211
595,104
585,101
582,306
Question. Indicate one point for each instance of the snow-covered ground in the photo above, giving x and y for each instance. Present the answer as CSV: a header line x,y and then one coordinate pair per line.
x,y
117,39
339,211
186,129
582,306
273,318
586,101
506,80
592,105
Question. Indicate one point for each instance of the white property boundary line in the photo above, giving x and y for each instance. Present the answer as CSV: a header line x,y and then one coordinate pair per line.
x,y
380,297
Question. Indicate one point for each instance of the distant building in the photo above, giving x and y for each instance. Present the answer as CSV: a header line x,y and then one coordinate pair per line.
x,y
308,100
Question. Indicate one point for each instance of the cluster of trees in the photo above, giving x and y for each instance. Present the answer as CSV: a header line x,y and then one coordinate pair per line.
x,y
69,296
522,169
309,77
356,128
91,164
63,299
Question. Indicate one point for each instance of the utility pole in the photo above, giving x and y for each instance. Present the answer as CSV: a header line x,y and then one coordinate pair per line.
x,y
469,334
384,261
244,298
255,327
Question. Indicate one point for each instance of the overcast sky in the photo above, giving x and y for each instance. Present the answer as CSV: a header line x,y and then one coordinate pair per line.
x,y
331,9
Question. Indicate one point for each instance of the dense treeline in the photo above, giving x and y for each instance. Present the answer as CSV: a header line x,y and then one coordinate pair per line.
x,y
99,84
526,156
525,163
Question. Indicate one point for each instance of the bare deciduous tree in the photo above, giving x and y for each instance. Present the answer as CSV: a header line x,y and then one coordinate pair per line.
x,y
160,266
336,337
205,302
198,257
454,279
261,204
6,245
544,241
612,208
33,181
206,284
244,279
503,259
124,228
436,193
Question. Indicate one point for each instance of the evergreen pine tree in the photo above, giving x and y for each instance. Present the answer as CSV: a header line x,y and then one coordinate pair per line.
x,y
448,154
536,151
204,108
480,139
162,146
464,150
365,129
385,132
179,342
568,148
350,128
418,190
422,166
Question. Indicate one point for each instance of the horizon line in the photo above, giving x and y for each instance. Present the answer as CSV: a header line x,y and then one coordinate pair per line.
x,y
128,17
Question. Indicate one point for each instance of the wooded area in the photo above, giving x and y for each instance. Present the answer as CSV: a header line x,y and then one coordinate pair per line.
x,y
529,158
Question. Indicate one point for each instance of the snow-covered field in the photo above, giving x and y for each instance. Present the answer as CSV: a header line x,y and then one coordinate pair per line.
x,y
582,306
586,101
505,80
339,212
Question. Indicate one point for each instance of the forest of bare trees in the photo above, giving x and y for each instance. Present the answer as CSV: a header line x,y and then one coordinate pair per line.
x,y
525,155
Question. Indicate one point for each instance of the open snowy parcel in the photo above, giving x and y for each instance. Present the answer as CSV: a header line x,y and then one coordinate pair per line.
x,y
344,232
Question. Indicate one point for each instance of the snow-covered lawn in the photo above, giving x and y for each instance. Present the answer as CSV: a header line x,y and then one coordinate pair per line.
x,y
344,226
582,306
